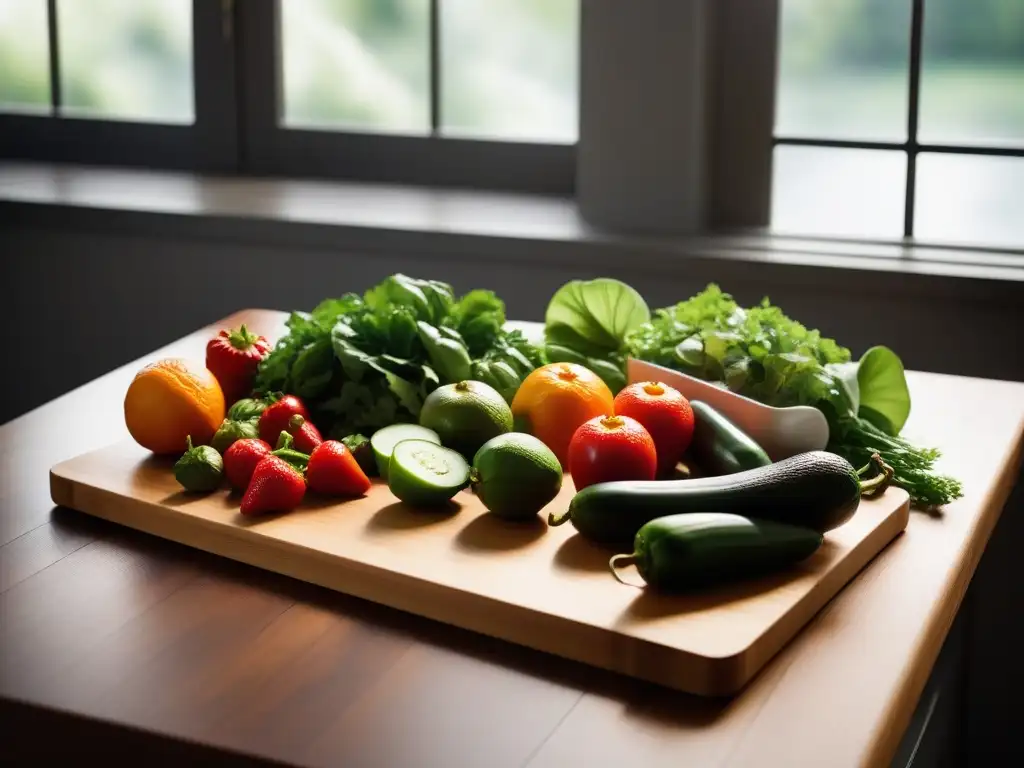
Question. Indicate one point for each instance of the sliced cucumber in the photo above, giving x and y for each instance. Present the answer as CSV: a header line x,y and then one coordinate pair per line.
x,y
384,441
425,474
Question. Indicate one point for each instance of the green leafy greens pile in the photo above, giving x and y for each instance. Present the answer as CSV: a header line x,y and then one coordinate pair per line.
x,y
757,352
763,354
364,362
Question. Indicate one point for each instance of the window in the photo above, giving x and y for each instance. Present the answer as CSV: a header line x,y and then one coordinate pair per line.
x,y
901,118
24,56
137,65
126,89
479,93
506,69
863,119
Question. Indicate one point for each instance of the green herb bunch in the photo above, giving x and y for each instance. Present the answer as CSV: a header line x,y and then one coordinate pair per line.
x,y
364,362
763,354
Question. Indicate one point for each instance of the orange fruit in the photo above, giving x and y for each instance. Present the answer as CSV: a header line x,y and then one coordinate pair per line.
x,y
171,399
555,399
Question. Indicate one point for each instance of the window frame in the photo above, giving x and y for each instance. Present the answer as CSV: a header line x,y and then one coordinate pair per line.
x,y
720,107
209,143
269,148
912,147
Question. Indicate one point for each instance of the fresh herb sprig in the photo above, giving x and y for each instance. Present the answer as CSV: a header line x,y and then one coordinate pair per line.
x,y
763,354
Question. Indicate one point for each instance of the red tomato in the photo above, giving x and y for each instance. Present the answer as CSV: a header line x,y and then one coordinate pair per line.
x,y
610,448
665,414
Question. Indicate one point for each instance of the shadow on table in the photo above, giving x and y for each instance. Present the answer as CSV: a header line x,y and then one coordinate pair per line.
x,y
402,517
578,554
488,533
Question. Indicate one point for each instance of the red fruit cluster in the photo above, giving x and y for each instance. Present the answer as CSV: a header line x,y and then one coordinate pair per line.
x,y
651,429
276,480
665,413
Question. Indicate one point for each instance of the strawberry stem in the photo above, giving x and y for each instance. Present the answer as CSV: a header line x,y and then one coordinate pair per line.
x,y
298,460
242,338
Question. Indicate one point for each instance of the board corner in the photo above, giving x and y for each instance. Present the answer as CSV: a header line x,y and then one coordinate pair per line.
x,y
62,489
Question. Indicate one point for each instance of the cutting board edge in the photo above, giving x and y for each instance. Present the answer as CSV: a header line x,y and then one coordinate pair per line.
x,y
768,644
584,643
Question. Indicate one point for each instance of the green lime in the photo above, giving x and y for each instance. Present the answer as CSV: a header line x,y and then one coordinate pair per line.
x,y
385,439
515,475
424,474
466,415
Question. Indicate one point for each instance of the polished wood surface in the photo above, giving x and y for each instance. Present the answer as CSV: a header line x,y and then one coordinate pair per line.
x,y
543,587
160,641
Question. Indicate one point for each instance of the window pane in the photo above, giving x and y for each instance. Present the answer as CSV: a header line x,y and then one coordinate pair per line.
x,y
838,192
970,199
126,59
509,69
843,69
972,79
24,55
357,64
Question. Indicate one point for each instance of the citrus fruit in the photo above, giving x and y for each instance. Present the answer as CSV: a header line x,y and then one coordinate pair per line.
x,y
424,474
665,413
610,448
555,399
171,399
515,475
466,415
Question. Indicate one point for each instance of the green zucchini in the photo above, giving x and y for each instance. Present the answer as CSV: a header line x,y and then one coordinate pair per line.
x,y
817,490
720,447
701,549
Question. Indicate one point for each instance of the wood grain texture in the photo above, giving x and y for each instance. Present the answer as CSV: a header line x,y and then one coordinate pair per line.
x,y
528,583
334,680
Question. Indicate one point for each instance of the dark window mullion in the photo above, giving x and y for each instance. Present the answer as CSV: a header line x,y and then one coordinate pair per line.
x,y
435,66
916,34
55,91
903,146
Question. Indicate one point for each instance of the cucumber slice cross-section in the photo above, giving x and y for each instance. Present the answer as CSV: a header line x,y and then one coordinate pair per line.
x,y
424,474
385,439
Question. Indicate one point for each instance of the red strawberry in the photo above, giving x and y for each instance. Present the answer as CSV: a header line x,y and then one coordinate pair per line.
x,y
334,471
306,437
241,458
276,486
233,357
274,419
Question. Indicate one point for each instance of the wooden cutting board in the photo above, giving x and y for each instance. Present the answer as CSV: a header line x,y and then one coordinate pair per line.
x,y
546,588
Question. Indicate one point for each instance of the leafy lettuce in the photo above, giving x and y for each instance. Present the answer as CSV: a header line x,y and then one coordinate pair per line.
x,y
363,362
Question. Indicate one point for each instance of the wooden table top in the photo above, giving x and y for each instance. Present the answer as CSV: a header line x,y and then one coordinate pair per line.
x,y
144,644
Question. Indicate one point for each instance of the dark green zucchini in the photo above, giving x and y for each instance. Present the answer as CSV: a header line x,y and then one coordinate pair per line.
x,y
720,447
702,549
817,490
